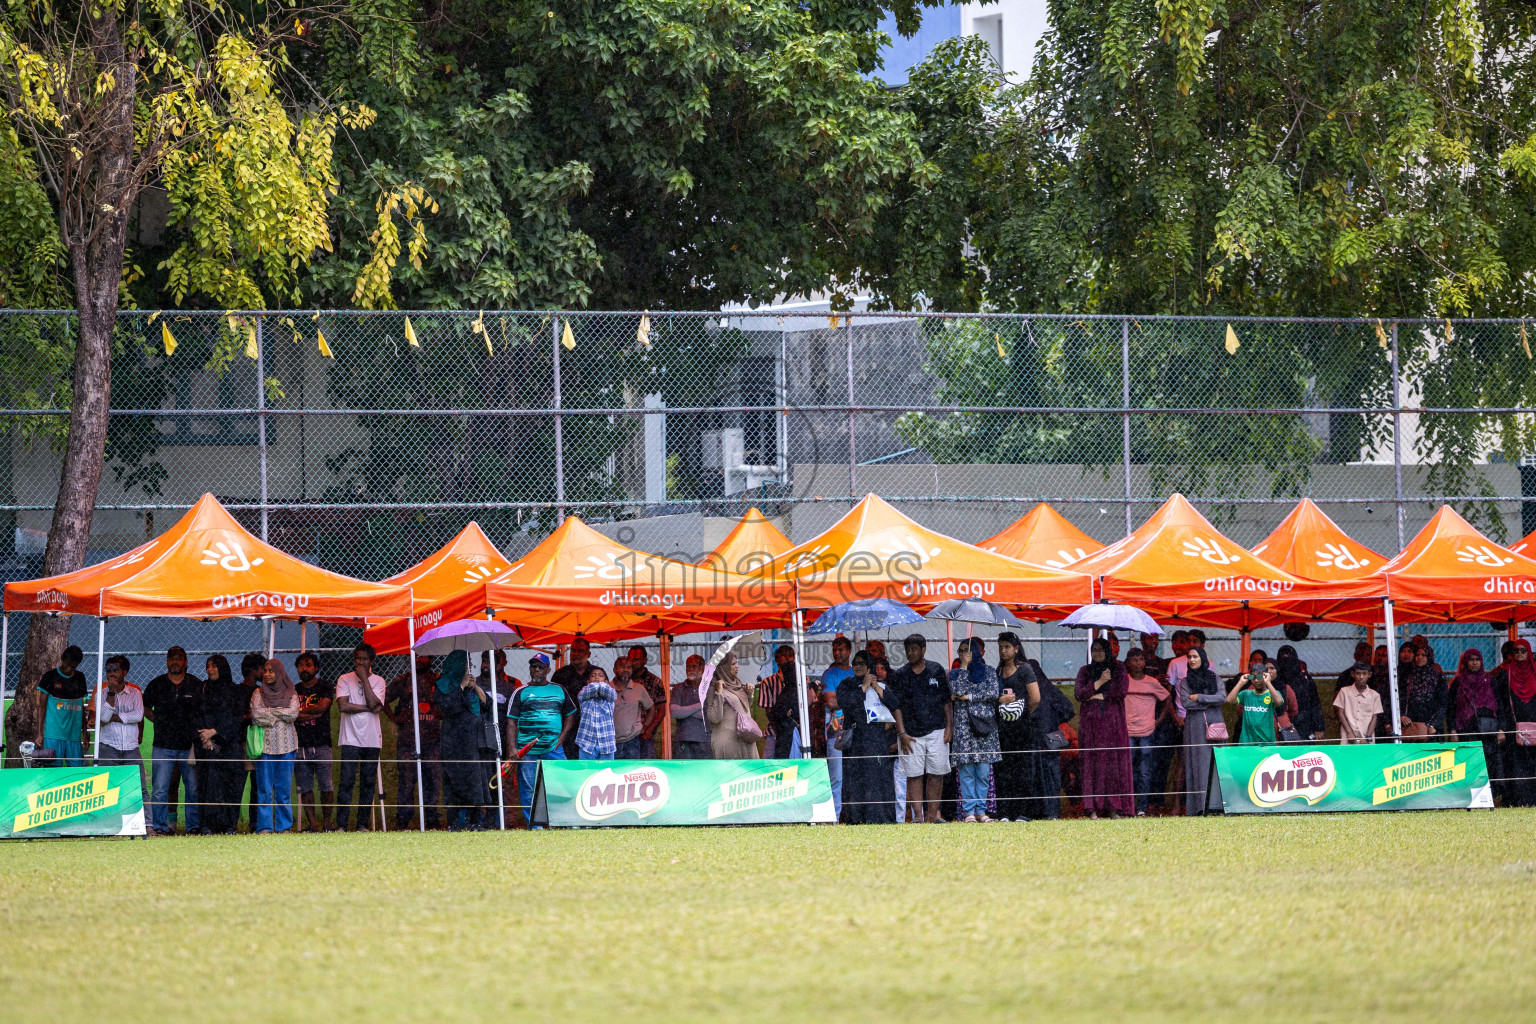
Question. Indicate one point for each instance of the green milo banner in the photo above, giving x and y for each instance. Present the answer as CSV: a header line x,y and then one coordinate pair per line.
x,y
588,793
1358,777
38,803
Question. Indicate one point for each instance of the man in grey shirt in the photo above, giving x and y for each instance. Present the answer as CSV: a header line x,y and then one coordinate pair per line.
x,y
690,737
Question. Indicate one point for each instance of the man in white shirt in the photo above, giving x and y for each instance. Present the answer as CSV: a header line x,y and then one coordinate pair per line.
x,y
118,718
360,698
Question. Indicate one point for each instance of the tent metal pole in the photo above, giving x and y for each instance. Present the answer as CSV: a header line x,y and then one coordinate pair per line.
x,y
303,635
666,686
802,683
421,797
1397,720
5,664
101,679
1245,650
501,803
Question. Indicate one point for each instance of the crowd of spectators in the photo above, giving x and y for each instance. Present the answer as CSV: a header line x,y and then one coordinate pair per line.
x,y
971,740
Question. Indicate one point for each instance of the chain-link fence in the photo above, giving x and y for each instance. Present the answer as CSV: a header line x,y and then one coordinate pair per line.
x,y
362,441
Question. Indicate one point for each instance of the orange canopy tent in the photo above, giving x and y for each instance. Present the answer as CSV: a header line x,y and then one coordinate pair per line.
x,y
751,543
208,566
1450,572
1177,566
875,551
577,582
1310,545
1523,545
1043,537
452,570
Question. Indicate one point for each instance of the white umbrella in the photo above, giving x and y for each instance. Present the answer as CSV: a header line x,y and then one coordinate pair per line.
x,y
1113,616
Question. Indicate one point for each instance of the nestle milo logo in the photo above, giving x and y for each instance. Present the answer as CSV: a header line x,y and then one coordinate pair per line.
x,y
1276,779
606,793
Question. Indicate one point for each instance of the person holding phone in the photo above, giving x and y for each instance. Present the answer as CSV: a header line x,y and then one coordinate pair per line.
x,y
1260,701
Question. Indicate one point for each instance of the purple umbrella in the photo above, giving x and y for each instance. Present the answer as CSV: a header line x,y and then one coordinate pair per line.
x,y
1113,616
467,635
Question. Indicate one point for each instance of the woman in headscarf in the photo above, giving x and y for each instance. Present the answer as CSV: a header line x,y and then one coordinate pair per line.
x,y
462,703
274,706
1423,691
869,730
728,706
1201,695
221,748
974,748
1474,714
1017,738
1514,687
1102,738
1308,717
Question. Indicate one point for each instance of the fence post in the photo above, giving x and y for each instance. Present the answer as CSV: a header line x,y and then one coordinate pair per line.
x,y
261,421
853,458
554,337
1125,415
1397,444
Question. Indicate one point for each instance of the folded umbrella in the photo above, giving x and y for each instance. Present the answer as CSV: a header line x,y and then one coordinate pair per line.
x,y
873,613
984,613
1113,616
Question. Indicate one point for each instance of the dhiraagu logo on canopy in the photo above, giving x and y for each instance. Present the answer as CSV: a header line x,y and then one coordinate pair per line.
x,y
1277,779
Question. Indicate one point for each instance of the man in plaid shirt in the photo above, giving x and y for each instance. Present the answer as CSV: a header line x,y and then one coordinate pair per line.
x,y
594,733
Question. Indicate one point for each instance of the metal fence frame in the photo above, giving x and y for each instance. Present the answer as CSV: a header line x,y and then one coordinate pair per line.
x,y
558,412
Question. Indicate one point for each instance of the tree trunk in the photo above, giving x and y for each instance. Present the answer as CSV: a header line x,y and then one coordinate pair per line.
x,y
93,216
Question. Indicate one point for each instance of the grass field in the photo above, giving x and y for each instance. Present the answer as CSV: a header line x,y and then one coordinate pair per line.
x,y
1428,916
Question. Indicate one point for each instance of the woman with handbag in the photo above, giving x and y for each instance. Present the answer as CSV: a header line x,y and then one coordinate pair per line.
x,y
1201,695
1474,714
274,707
1103,739
1423,696
221,749
973,749
1514,685
733,732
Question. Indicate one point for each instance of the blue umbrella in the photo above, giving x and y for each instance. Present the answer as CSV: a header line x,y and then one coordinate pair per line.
x,y
1113,616
875,613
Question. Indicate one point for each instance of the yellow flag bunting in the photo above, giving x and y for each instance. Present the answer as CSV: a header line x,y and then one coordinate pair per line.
x,y
567,338
167,339
1232,342
325,349
643,335
410,333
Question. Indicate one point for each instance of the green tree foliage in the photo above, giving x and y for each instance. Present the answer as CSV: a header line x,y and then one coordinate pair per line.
x,y
1347,159
629,154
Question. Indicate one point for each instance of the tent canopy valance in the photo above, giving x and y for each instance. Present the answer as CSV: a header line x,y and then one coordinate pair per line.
x,y
875,551
208,566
